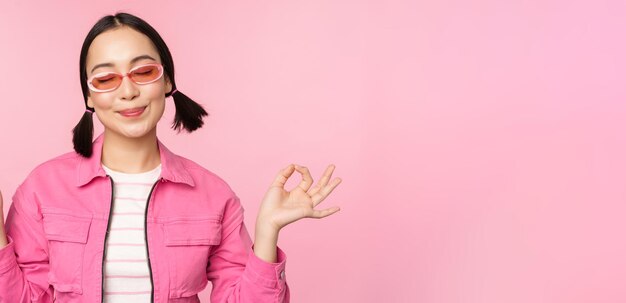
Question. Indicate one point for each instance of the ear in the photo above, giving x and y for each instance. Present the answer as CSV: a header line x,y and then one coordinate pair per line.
x,y
89,102
168,85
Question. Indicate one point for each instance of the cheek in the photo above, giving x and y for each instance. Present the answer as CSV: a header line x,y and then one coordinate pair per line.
x,y
155,94
154,90
102,101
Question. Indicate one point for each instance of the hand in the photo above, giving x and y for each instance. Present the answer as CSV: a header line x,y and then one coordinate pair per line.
x,y
3,236
280,207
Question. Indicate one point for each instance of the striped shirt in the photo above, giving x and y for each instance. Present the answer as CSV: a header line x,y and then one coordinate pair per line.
x,y
126,272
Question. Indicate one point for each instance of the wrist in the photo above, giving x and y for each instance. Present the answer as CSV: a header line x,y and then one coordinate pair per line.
x,y
266,226
265,242
266,233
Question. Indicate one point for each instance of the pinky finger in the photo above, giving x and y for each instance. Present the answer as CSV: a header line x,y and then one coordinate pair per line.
x,y
318,214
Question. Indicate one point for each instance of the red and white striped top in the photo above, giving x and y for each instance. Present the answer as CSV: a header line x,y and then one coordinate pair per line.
x,y
126,273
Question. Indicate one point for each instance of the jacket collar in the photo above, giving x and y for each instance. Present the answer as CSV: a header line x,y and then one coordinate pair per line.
x,y
172,168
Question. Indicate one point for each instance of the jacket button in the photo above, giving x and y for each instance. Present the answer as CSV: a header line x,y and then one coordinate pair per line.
x,y
282,275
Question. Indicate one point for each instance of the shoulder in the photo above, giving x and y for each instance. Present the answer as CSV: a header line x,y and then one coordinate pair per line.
x,y
63,163
205,177
216,193
60,168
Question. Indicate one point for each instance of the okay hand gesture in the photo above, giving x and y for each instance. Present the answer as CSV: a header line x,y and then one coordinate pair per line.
x,y
281,207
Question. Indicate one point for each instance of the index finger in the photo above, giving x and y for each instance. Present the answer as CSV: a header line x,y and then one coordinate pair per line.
x,y
283,175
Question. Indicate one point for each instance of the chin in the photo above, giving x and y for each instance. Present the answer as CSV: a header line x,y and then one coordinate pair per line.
x,y
135,133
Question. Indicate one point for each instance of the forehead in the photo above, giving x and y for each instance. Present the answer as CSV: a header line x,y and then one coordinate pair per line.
x,y
119,46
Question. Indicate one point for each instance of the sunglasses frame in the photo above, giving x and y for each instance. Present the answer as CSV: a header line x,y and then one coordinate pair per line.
x,y
91,87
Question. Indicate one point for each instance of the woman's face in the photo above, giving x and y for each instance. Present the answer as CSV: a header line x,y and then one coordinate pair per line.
x,y
118,47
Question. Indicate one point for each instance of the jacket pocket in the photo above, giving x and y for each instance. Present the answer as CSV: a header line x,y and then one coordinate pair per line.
x,y
67,234
188,244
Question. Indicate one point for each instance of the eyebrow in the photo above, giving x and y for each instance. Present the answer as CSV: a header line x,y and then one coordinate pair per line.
x,y
131,62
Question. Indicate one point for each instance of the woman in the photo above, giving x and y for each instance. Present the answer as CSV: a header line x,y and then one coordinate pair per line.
x,y
123,219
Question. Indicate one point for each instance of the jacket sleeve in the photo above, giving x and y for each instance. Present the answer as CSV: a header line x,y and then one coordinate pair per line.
x,y
24,261
236,273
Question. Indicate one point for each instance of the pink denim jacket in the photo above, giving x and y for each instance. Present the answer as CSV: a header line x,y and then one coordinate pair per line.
x,y
195,233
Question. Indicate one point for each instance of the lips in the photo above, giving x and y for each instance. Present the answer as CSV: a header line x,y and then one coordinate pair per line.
x,y
132,111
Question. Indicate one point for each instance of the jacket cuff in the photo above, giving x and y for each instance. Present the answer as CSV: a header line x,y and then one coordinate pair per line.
x,y
7,256
268,274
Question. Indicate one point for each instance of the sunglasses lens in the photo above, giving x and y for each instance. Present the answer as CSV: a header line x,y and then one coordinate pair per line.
x,y
107,81
145,74
141,75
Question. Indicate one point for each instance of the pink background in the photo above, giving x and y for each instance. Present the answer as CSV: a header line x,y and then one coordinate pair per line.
x,y
480,143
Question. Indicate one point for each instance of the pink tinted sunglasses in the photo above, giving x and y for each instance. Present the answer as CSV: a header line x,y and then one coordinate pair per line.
x,y
109,81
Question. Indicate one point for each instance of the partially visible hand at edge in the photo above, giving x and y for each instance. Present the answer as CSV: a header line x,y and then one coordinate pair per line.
x,y
3,235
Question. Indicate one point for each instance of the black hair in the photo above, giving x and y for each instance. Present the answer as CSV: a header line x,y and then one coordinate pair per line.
x,y
188,113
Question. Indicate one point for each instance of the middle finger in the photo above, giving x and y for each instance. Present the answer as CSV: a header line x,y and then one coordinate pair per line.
x,y
324,180
325,191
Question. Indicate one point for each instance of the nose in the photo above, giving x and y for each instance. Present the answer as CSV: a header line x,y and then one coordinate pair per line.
x,y
128,89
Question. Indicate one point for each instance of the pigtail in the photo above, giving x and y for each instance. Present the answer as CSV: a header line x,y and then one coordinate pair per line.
x,y
83,134
188,113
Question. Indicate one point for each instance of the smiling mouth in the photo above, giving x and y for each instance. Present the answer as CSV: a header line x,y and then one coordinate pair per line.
x,y
132,112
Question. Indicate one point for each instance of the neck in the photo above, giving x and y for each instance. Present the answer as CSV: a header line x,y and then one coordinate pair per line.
x,y
130,155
